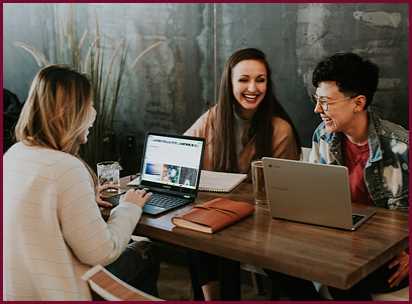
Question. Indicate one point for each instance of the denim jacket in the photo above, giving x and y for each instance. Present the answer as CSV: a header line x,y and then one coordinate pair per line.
x,y
386,171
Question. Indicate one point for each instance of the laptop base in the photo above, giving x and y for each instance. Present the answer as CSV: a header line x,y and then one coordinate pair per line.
x,y
157,204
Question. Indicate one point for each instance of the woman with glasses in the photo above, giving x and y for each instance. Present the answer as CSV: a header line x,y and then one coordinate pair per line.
x,y
53,229
374,150
247,123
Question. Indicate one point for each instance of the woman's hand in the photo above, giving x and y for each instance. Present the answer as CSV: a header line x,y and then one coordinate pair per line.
x,y
138,197
100,201
402,261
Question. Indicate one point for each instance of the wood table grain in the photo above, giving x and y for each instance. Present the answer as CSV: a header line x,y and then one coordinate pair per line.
x,y
329,256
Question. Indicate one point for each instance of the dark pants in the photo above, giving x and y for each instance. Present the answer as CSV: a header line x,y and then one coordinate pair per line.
x,y
206,268
376,282
138,266
293,288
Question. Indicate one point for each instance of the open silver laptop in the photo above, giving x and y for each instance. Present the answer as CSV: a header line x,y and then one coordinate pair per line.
x,y
170,170
311,193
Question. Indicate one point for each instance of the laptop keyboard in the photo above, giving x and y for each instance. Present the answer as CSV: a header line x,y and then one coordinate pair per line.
x,y
157,199
356,218
165,201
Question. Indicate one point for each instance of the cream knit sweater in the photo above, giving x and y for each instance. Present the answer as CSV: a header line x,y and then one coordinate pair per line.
x,y
52,227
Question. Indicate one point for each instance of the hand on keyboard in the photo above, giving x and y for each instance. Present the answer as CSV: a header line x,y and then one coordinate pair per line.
x,y
138,197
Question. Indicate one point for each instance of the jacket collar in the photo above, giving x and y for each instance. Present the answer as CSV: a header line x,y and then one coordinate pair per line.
x,y
375,150
334,140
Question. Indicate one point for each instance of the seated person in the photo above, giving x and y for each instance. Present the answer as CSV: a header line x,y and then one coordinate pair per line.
x,y
53,229
247,123
11,111
374,150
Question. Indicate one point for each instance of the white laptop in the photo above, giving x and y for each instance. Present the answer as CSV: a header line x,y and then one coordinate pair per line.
x,y
311,193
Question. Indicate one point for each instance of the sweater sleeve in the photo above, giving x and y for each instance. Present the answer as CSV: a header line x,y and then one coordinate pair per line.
x,y
284,142
92,240
198,129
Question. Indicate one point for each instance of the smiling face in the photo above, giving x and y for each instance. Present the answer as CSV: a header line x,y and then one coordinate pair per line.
x,y
89,124
249,82
340,116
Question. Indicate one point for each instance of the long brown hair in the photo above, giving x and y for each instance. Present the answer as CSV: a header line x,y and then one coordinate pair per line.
x,y
57,111
224,152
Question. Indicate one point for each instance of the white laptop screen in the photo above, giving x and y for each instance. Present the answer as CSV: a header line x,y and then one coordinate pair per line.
x,y
172,161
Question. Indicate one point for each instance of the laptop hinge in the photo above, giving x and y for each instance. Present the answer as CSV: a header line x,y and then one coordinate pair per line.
x,y
172,192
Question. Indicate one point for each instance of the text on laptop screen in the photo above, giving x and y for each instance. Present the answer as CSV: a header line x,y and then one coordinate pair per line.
x,y
172,161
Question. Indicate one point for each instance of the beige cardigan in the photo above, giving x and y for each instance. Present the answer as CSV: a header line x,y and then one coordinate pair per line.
x,y
52,228
283,139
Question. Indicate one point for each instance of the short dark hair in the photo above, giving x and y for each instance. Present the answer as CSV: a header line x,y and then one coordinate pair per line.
x,y
353,74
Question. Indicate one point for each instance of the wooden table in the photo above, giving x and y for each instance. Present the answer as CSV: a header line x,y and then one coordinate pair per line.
x,y
329,256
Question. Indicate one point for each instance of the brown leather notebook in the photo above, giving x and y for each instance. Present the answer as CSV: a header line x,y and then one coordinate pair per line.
x,y
214,215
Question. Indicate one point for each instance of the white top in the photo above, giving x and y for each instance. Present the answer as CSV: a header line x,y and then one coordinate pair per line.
x,y
52,228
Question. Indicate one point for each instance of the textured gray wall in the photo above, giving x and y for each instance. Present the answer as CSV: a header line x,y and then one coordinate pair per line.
x,y
176,81
296,37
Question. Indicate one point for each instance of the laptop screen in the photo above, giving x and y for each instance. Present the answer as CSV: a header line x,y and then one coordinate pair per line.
x,y
172,160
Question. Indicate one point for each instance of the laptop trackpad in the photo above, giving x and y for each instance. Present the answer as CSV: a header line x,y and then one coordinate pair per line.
x,y
150,209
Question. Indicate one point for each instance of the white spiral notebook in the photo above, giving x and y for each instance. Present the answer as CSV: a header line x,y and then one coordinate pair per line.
x,y
219,181
212,181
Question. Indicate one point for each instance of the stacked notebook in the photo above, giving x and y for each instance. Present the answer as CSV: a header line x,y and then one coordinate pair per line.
x,y
219,181
212,181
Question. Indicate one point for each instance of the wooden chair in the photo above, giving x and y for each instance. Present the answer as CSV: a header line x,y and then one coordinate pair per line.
x,y
111,288
400,295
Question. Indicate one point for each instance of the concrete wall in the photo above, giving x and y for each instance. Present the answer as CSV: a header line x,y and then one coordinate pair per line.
x,y
177,81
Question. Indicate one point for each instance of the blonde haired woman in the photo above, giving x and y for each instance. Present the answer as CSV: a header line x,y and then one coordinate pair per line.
x,y
53,229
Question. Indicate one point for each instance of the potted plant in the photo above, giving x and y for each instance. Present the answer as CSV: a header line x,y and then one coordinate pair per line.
x,y
104,60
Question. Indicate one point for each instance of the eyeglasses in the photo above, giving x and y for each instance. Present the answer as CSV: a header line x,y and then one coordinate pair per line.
x,y
324,101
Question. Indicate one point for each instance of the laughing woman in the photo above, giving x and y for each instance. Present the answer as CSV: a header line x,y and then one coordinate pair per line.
x,y
247,123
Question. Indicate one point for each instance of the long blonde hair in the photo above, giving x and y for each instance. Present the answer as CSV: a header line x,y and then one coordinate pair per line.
x,y
57,111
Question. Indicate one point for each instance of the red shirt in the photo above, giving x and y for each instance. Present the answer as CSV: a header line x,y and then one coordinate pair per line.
x,y
355,158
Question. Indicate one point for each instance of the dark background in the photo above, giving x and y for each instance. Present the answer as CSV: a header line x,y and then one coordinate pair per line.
x,y
177,81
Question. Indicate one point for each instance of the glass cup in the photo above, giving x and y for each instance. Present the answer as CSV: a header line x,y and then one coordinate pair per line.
x,y
108,172
258,181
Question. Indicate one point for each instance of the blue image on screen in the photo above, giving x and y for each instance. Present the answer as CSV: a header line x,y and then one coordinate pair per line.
x,y
153,169
170,174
